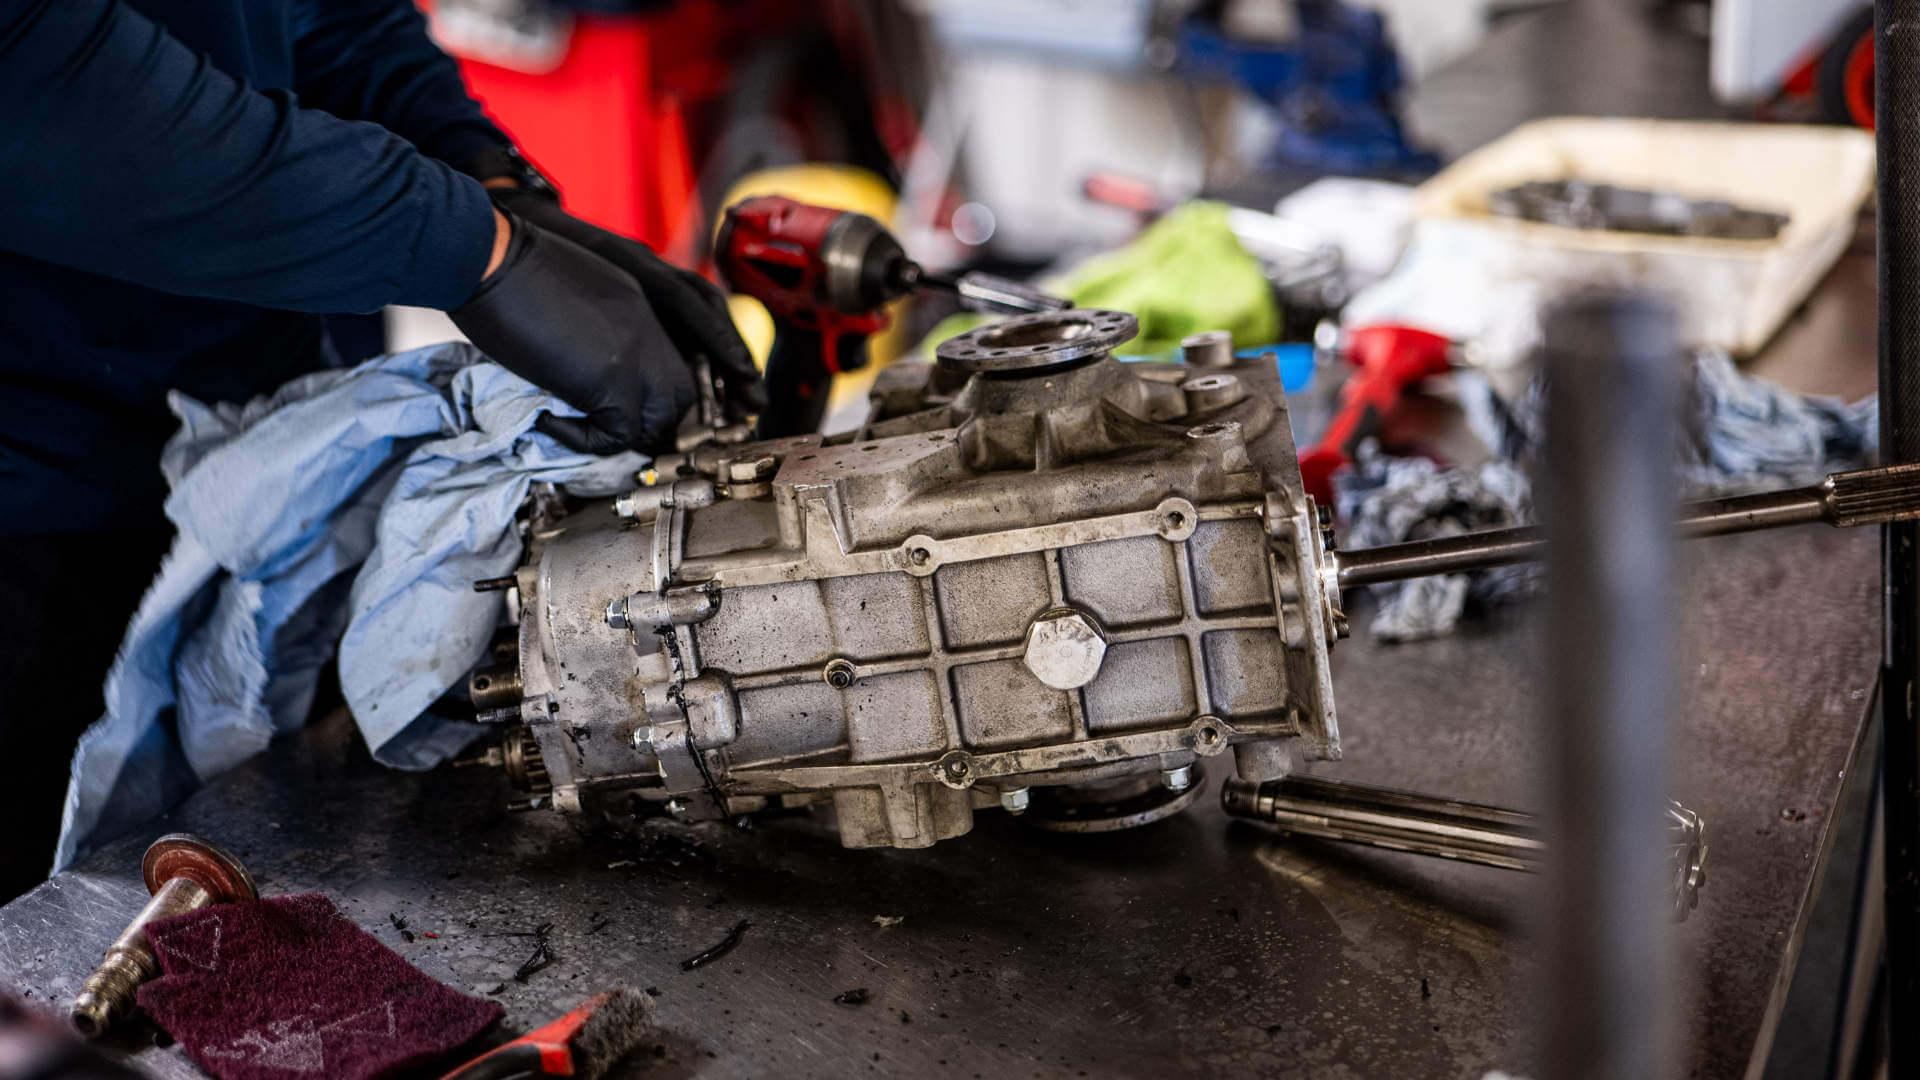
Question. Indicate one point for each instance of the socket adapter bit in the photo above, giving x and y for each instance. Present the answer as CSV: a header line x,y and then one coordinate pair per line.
x,y
183,873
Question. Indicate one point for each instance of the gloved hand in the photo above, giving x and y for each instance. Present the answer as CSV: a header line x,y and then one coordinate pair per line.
x,y
572,323
692,309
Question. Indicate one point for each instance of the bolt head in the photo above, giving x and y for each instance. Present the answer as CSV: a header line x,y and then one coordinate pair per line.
x,y
1177,780
749,470
617,616
1065,649
1015,800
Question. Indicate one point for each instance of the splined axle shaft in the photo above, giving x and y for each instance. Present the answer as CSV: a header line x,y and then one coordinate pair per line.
x,y
1844,499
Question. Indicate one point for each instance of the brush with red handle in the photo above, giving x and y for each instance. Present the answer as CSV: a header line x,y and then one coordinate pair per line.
x,y
584,1043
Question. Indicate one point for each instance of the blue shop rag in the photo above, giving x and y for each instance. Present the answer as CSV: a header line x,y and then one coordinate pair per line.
x,y
355,506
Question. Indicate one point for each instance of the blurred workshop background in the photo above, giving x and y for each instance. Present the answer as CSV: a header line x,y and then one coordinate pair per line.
x,y
1023,137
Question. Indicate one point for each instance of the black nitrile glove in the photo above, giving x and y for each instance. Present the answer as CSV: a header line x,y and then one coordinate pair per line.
x,y
572,323
691,309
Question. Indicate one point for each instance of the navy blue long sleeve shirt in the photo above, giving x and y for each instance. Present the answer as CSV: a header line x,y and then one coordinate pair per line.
x,y
186,186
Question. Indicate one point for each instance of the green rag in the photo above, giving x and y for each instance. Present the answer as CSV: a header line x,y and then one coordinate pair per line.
x,y
1184,274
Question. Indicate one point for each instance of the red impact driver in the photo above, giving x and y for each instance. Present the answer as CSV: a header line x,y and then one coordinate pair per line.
x,y
1387,359
826,276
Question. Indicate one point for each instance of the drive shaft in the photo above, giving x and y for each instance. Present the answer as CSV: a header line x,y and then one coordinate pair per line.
x,y
1384,817
1446,828
1844,499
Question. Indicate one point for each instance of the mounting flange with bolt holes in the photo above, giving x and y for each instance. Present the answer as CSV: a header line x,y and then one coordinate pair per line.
x,y
1039,342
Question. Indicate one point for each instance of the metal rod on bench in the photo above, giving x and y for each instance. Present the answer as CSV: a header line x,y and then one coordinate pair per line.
x,y
1388,818
1446,828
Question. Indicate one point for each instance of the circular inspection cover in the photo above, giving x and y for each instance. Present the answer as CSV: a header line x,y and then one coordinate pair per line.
x,y
1037,342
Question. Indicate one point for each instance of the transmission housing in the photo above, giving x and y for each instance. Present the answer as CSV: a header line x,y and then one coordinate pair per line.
x,y
1037,578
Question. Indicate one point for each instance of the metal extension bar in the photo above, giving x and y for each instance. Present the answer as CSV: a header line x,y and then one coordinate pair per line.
x,y
1388,818
1446,828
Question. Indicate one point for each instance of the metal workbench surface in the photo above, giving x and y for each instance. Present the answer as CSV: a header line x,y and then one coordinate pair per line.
x,y
1190,947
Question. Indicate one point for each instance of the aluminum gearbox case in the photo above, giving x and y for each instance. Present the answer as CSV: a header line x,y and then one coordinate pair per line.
x,y
1037,576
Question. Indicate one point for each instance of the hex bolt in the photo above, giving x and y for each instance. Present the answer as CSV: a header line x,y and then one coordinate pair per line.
x,y
752,470
1177,780
839,674
183,873
1015,800
1064,648
617,614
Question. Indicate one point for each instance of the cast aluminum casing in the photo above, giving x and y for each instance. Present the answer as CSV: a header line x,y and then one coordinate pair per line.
x,y
1035,566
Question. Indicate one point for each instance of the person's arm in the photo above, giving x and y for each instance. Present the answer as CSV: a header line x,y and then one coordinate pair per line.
x,y
372,60
125,153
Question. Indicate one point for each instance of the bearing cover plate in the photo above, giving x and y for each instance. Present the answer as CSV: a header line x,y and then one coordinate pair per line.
x,y
1037,342
1130,806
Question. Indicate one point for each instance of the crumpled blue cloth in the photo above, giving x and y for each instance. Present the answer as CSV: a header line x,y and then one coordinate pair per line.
x,y
354,506
1381,496
1745,434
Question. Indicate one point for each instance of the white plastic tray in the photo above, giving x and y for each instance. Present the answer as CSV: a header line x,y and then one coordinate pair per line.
x,y
1731,293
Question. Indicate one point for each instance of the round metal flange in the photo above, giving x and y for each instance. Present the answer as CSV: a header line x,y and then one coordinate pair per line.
x,y
201,861
1037,342
1138,801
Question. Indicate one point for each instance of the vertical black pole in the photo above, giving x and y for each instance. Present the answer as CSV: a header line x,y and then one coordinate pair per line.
x,y
1896,31
1612,364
